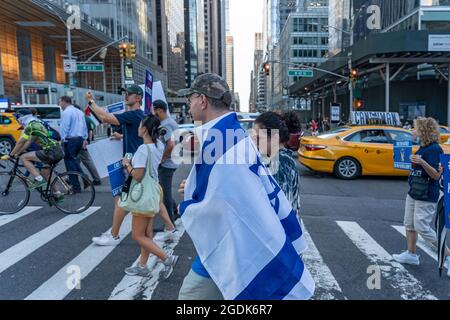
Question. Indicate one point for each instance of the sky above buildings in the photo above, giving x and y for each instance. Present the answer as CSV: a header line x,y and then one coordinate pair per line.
x,y
246,18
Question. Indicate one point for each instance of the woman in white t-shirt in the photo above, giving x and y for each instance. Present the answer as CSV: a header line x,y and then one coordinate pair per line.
x,y
142,224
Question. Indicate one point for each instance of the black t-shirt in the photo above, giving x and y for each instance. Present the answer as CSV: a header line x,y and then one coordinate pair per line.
x,y
130,122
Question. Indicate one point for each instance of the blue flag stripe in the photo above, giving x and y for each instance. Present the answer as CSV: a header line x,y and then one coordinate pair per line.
x,y
284,272
292,226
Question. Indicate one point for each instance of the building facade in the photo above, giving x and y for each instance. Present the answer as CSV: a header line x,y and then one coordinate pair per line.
x,y
401,54
303,41
229,76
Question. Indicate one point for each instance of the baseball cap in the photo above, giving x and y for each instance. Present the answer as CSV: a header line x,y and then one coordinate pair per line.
x,y
135,89
211,85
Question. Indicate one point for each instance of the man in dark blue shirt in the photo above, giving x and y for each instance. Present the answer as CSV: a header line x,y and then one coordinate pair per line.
x,y
129,122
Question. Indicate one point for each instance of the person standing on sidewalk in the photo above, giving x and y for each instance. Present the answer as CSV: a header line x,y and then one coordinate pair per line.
x,y
168,167
73,134
423,194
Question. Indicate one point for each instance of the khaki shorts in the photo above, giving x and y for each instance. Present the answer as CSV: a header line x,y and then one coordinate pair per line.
x,y
196,287
419,217
150,215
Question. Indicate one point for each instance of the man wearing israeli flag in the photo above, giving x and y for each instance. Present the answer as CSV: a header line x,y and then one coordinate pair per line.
x,y
246,234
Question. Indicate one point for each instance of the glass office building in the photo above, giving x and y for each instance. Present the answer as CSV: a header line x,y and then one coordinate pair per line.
x,y
398,15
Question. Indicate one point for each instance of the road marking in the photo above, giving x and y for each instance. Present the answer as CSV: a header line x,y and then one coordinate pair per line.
x,y
5,219
399,277
16,253
142,288
326,285
425,246
56,288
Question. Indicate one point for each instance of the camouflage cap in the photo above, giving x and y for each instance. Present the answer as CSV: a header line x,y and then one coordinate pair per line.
x,y
211,85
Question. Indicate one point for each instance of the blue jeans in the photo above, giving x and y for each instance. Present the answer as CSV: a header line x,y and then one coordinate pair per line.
x,y
72,148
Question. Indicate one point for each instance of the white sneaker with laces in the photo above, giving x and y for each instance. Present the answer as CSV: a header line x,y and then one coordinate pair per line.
x,y
106,239
407,258
169,264
166,235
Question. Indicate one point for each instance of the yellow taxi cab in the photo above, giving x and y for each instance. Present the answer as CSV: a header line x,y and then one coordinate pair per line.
x,y
445,133
10,132
353,151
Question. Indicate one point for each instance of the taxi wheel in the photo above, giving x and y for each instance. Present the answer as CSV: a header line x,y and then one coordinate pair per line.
x,y
6,145
347,168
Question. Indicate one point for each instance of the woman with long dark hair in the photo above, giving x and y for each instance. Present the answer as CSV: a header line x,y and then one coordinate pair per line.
x,y
271,135
142,223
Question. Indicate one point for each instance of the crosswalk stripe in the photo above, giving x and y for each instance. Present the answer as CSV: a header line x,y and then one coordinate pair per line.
x,y
16,253
400,277
425,246
67,278
22,213
130,287
322,275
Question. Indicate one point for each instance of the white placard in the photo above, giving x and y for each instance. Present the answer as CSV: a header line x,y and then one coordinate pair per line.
x,y
439,42
104,153
335,113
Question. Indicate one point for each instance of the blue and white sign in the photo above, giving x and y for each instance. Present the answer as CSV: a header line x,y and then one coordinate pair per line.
x,y
4,103
116,177
116,108
148,92
445,160
402,155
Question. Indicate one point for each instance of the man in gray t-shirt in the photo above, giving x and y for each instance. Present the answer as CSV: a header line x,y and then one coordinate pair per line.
x,y
168,166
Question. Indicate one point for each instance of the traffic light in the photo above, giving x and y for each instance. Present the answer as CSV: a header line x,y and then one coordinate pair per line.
x,y
266,68
353,76
358,103
131,51
123,50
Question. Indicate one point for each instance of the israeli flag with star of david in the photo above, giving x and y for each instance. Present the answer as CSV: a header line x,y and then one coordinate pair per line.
x,y
244,229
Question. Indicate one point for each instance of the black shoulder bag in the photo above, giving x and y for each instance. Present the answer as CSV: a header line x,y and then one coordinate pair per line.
x,y
419,187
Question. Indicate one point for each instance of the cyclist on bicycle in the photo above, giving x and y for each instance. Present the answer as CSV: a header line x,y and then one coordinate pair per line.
x,y
35,131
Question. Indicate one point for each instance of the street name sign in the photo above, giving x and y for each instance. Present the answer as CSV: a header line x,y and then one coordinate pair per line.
x,y
305,73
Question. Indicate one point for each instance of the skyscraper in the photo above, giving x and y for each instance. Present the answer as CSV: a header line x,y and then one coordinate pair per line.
x,y
230,62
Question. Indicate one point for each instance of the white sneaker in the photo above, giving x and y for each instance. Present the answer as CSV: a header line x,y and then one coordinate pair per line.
x,y
169,264
106,239
166,235
407,258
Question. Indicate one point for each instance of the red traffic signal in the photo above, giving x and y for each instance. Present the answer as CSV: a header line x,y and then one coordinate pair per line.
x,y
358,104
266,68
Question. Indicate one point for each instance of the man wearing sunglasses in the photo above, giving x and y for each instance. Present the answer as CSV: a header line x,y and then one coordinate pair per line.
x,y
129,122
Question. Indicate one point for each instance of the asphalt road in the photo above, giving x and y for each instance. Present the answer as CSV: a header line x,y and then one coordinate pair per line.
x,y
350,226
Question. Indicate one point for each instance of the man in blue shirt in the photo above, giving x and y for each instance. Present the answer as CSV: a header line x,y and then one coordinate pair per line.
x,y
73,133
129,121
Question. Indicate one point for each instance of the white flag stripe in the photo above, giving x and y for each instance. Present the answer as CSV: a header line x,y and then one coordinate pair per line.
x,y
59,286
425,246
320,272
399,277
22,213
16,253
130,287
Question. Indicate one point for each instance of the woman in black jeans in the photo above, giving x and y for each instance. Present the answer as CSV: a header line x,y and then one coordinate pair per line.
x,y
423,194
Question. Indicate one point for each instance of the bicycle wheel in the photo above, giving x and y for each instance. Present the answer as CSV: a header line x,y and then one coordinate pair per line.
x,y
72,192
14,193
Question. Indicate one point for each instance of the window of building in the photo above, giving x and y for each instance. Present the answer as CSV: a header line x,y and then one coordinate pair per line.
x,y
24,50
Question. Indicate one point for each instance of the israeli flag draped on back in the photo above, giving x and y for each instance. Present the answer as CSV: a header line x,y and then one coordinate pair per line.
x,y
243,227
